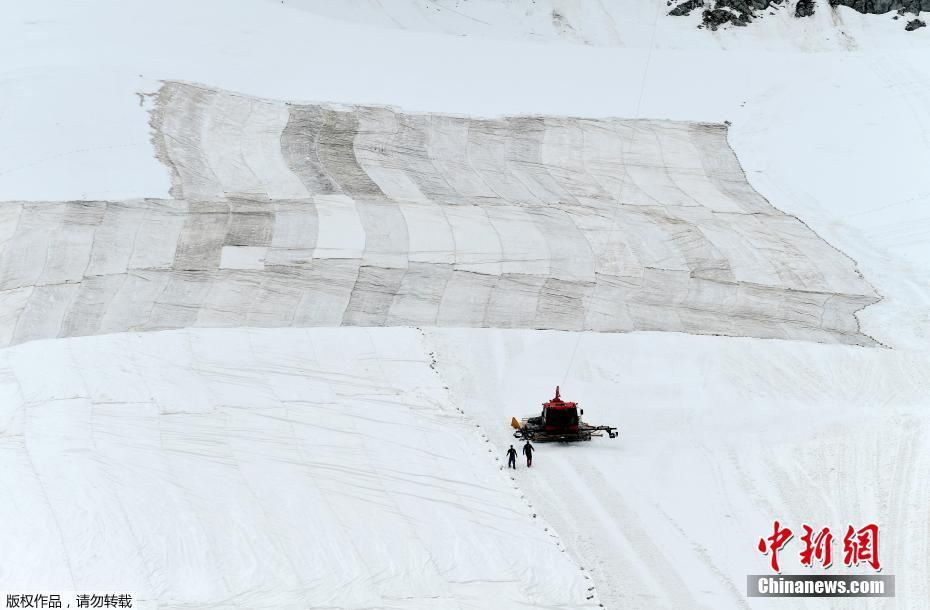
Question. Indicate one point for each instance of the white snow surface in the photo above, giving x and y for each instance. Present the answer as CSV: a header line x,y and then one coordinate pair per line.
x,y
617,23
358,468
355,468
264,469
829,116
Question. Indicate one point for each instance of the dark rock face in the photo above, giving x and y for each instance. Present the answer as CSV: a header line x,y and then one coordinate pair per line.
x,y
720,12
804,8
915,24
685,8
735,12
878,7
713,18
746,7
741,12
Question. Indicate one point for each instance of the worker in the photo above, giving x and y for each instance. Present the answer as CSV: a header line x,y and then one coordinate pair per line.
x,y
528,450
512,458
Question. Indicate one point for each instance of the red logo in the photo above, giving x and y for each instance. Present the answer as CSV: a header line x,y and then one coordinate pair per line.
x,y
859,546
774,543
819,547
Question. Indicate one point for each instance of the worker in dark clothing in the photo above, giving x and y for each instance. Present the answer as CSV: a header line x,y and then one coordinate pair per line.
x,y
512,458
528,450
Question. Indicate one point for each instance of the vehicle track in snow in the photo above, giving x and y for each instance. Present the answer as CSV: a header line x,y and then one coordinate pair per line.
x,y
732,435
496,452
263,467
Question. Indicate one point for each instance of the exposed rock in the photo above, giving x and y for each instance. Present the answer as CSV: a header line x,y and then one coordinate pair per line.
x,y
685,8
718,16
735,12
877,7
914,24
741,12
713,18
746,7
804,8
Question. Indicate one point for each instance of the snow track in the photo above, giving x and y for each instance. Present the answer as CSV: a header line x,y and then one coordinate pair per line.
x,y
738,433
284,469
335,468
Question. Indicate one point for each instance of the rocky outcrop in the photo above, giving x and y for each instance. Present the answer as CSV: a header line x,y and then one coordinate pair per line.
x,y
714,18
721,12
685,8
734,12
878,7
915,24
804,8
741,12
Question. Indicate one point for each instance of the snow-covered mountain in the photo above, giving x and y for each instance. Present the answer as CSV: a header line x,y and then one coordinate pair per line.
x,y
276,275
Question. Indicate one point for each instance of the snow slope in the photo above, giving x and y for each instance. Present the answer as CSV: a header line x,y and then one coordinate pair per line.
x,y
616,23
307,215
837,137
361,467
731,434
227,495
261,469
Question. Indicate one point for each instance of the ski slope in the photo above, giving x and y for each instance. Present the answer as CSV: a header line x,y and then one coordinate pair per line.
x,y
204,450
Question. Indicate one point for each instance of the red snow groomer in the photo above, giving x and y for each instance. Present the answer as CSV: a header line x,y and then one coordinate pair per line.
x,y
559,421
